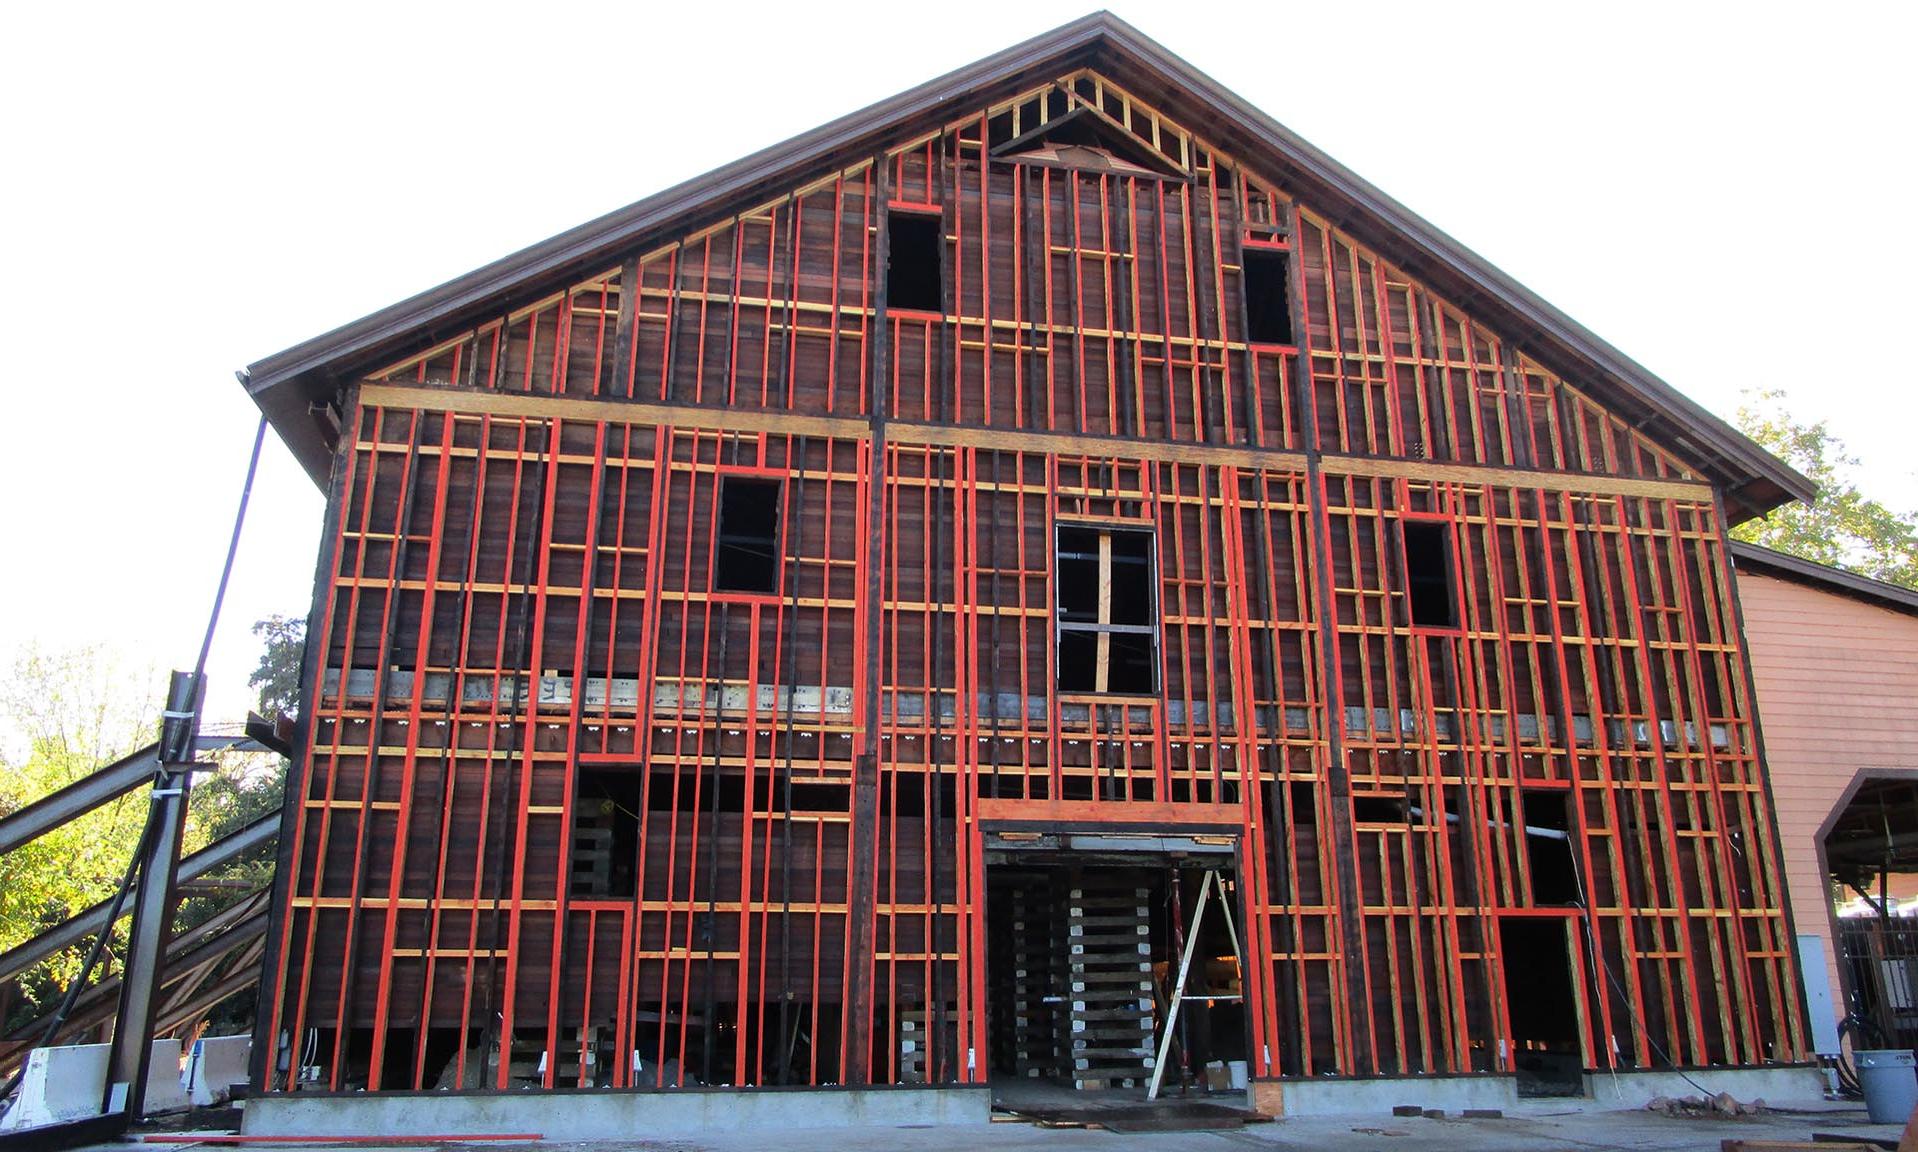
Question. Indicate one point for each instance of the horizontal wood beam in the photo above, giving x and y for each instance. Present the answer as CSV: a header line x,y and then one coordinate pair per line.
x,y
539,406
1080,815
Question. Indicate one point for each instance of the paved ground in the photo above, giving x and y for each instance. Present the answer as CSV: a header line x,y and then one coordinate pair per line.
x,y
1537,1127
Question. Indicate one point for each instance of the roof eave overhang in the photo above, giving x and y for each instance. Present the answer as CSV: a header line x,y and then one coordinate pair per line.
x,y
1749,479
312,369
1769,562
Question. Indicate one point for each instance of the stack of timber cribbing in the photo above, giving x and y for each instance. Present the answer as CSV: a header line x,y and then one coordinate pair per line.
x,y
1037,974
916,1028
1111,1000
592,860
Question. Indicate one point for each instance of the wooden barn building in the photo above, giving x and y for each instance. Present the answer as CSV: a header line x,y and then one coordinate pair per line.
x,y
881,612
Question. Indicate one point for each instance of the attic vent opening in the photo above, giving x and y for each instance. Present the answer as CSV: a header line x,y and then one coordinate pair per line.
x,y
1428,573
1268,304
913,242
747,557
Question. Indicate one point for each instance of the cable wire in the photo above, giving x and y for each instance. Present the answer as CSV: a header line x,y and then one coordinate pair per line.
x,y
232,549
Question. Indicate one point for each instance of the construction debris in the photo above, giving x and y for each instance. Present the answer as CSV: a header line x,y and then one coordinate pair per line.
x,y
1720,1106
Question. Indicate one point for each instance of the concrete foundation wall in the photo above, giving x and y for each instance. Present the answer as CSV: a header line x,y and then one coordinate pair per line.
x,y
1773,1085
1338,1097
607,1115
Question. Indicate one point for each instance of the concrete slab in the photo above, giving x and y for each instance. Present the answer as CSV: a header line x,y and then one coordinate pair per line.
x,y
608,1115
1536,1129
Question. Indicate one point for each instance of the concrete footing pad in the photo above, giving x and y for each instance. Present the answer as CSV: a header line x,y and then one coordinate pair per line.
x,y
610,1115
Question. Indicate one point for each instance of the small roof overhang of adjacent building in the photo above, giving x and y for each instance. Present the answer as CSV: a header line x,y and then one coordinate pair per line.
x,y
287,384
1784,566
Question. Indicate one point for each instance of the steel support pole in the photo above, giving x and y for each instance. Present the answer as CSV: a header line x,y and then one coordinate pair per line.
x,y
126,1082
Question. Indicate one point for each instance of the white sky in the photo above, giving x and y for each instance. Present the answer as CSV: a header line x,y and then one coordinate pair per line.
x,y
1722,191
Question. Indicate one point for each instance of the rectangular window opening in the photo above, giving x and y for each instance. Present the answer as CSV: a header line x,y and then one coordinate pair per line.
x,y
1428,573
1548,848
1107,611
1268,302
746,558
913,244
605,851
1373,808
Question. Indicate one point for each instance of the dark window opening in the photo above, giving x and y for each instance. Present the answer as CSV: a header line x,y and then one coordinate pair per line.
x,y
913,243
1107,611
1378,809
1078,575
1548,849
1305,805
605,853
1268,301
1129,663
747,558
1428,573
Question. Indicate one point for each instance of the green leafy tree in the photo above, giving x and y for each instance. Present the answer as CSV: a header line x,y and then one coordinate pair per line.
x,y
66,714
1841,526
63,715
278,676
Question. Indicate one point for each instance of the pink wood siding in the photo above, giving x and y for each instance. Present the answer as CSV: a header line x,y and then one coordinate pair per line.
x,y
1837,692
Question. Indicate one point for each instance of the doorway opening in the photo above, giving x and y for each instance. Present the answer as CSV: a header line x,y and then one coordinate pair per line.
x,y
1869,845
1541,999
1083,955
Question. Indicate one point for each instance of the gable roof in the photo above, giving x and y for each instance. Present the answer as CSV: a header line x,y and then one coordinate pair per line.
x,y
1825,578
1750,480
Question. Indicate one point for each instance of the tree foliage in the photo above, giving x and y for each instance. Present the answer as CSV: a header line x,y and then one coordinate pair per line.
x,y
277,679
66,714
1841,527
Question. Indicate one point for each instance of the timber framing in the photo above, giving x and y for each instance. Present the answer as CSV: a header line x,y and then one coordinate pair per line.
x,y
691,613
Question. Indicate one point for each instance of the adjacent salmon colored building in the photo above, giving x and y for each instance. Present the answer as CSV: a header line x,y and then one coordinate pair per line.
x,y
1835,657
